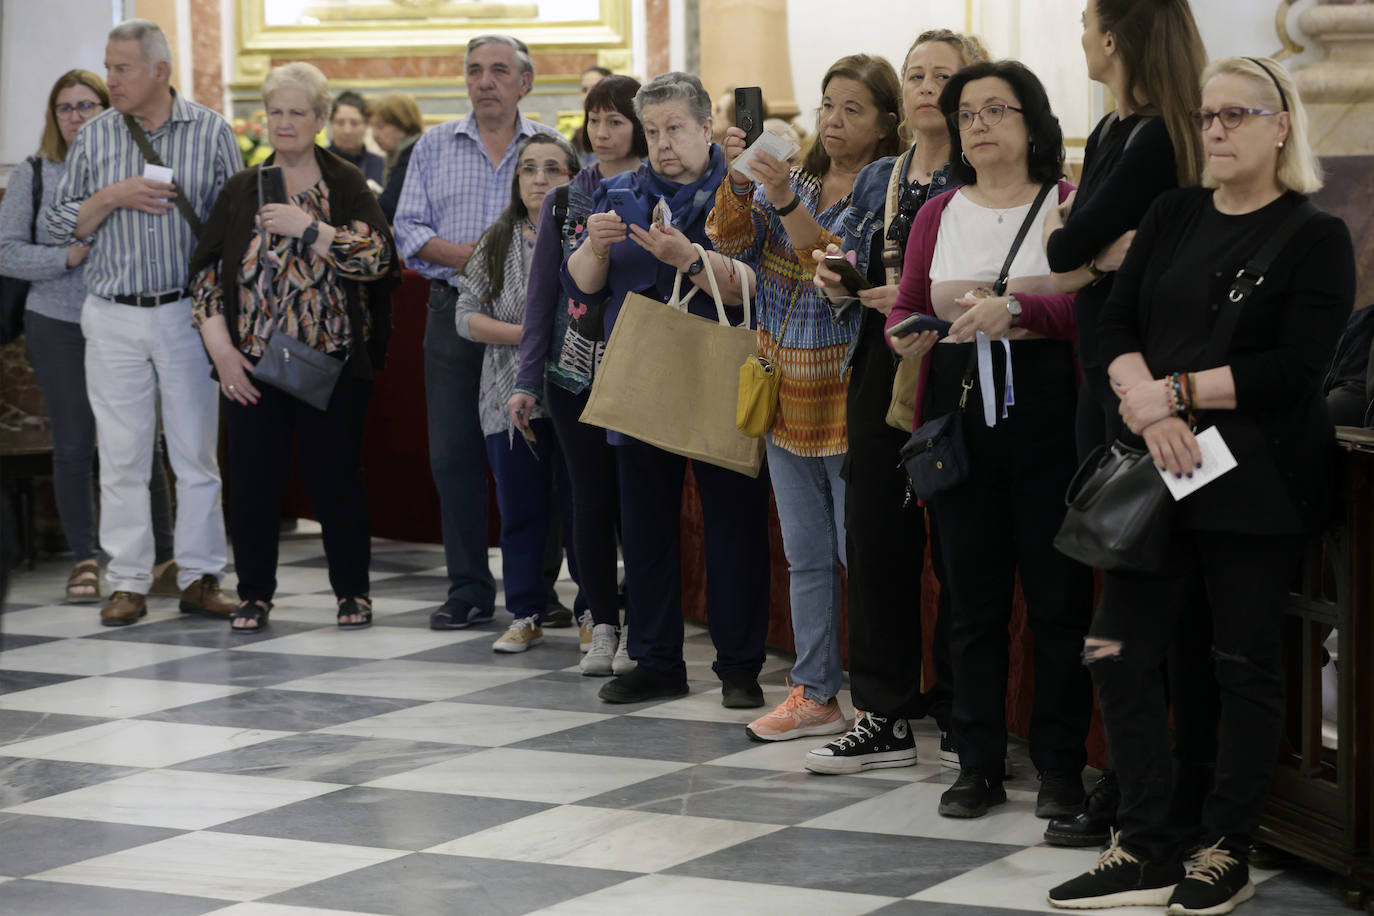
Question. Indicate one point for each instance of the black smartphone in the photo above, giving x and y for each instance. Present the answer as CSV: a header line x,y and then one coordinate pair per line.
x,y
918,323
271,185
849,274
749,113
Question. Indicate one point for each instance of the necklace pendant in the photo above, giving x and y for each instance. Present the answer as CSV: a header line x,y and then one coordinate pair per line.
x,y
999,218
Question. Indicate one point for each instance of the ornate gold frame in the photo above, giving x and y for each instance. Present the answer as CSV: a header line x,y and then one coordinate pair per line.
x,y
258,43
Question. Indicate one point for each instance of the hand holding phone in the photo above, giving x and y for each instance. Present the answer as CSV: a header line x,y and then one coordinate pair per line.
x,y
627,206
918,323
849,274
271,186
749,114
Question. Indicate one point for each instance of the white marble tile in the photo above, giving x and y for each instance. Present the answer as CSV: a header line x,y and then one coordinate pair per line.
x,y
176,799
911,810
705,707
771,755
410,680
61,620
375,642
668,895
465,723
93,656
277,909
637,841
114,697
544,776
220,865
139,743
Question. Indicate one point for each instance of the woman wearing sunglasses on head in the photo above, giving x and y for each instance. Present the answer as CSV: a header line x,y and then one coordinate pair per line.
x,y
1240,534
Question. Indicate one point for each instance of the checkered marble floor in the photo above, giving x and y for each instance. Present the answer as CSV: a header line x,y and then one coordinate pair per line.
x,y
172,767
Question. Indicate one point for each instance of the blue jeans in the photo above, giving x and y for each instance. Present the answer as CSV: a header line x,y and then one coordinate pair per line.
x,y
457,451
810,497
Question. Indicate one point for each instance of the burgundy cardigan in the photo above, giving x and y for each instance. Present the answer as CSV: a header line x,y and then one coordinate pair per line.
x,y
1048,316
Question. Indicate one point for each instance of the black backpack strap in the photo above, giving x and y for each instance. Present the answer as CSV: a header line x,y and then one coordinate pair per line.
x,y
1250,277
37,197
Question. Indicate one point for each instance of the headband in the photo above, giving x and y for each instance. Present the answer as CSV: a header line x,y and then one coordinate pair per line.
x,y
1283,98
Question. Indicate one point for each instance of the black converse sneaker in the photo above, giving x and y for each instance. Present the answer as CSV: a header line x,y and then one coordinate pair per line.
x,y
873,742
1218,881
1120,879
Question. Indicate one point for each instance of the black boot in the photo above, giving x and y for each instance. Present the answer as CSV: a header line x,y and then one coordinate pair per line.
x,y
1090,827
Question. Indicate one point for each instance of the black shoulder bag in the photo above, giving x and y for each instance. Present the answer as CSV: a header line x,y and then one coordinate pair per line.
x,y
936,455
14,293
1119,510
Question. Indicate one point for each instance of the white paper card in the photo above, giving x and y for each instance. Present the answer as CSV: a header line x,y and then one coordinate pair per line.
x,y
157,172
770,143
1216,460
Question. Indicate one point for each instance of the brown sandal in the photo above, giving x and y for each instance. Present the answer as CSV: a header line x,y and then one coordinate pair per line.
x,y
83,585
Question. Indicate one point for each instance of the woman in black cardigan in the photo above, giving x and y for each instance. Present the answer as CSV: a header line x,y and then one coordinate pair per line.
x,y
320,268
1240,535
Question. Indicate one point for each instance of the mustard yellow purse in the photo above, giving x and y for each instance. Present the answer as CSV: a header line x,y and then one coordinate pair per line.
x,y
760,380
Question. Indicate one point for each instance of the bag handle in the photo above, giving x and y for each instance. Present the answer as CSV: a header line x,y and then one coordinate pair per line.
x,y
680,303
146,148
894,196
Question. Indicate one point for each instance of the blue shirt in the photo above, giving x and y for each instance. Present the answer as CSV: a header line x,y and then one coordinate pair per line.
x,y
453,191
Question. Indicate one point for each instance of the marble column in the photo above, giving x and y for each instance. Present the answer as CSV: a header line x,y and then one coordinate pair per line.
x,y
744,43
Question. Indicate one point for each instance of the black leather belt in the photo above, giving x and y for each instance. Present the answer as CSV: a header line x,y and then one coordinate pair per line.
x,y
147,302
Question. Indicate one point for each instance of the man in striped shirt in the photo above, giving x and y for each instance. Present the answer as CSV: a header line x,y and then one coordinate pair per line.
x,y
458,183
137,317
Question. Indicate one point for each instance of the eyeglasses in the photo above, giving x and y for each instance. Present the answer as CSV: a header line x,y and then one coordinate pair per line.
x,y
991,115
1230,116
81,108
534,171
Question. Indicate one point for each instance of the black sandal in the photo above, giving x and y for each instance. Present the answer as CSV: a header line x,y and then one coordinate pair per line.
x,y
360,606
254,612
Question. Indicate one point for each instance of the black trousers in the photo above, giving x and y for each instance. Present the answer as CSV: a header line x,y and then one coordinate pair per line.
x,y
885,545
734,512
999,522
330,443
1246,579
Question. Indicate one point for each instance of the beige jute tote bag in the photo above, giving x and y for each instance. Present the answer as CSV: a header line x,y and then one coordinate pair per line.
x,y
671,379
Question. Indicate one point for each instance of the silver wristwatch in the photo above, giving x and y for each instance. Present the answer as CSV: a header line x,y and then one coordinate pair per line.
x,y
1014,310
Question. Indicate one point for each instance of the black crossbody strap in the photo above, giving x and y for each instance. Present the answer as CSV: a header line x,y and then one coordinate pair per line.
x,y
141,139
37,197
1250,277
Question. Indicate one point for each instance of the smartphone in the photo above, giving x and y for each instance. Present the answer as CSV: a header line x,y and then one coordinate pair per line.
x,y
749,113
271,185
918,323
628,207
849,274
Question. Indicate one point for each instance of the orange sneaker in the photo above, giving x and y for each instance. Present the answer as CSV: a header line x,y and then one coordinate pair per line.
x,y
798,717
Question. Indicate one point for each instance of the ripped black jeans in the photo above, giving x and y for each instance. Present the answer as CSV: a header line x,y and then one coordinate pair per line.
x,y
1247,579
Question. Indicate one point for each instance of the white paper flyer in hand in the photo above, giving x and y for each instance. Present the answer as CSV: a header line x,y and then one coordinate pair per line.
x,y
1216,460
770,143
157,173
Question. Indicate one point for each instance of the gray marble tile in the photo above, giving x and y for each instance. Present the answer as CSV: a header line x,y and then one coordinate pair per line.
x,y
927,908
24,779
657,739
187,630
565,690
19,641
49,898
856,863
419,618
550,655
439,885
21,725
33,844
284,710
11,681
412,586
243,668
385,818
328,758
741,794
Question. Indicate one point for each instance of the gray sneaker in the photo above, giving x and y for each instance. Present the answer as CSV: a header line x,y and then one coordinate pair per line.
x,y
598,660
622,663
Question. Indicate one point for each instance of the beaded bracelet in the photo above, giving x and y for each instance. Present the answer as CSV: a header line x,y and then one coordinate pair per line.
x,y
1175,388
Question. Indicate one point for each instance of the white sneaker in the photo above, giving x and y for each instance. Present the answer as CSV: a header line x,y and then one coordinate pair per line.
x,y
519,636
622,663
598,662
584,632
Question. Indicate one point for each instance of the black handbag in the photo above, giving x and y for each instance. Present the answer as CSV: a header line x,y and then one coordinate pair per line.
x,y
1119,510
14,293
936,455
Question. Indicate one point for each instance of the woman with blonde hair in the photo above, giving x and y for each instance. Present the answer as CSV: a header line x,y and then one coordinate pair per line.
x,y
1182,356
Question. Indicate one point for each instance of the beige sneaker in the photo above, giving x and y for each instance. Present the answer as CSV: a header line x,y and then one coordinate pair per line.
x,y
798,717
584,632
519,636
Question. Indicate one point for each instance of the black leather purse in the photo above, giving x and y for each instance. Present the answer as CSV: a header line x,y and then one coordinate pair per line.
x,y
936,455
1119,510
14,293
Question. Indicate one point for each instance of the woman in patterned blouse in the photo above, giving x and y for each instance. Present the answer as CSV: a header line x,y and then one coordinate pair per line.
x,y
491,307
320,268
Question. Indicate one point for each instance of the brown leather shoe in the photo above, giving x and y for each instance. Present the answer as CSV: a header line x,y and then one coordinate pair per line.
x,y
203,597
122,609
165,581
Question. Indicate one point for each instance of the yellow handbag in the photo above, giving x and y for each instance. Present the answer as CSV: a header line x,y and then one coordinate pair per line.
x,y
760,380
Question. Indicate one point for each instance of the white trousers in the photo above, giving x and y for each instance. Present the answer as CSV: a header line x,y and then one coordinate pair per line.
x,y
132,355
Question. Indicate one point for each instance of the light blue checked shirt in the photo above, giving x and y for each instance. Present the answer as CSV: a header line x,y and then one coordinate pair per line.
x,y
136,253
453,190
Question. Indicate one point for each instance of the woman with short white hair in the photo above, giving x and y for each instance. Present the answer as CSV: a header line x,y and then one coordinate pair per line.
x,y
317,266
1166,339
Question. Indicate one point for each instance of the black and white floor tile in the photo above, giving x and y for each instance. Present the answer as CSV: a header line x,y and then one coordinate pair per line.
x,y
173,767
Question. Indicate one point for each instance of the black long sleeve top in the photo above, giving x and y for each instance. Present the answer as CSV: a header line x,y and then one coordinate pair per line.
x,y
1127,163
1164,304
